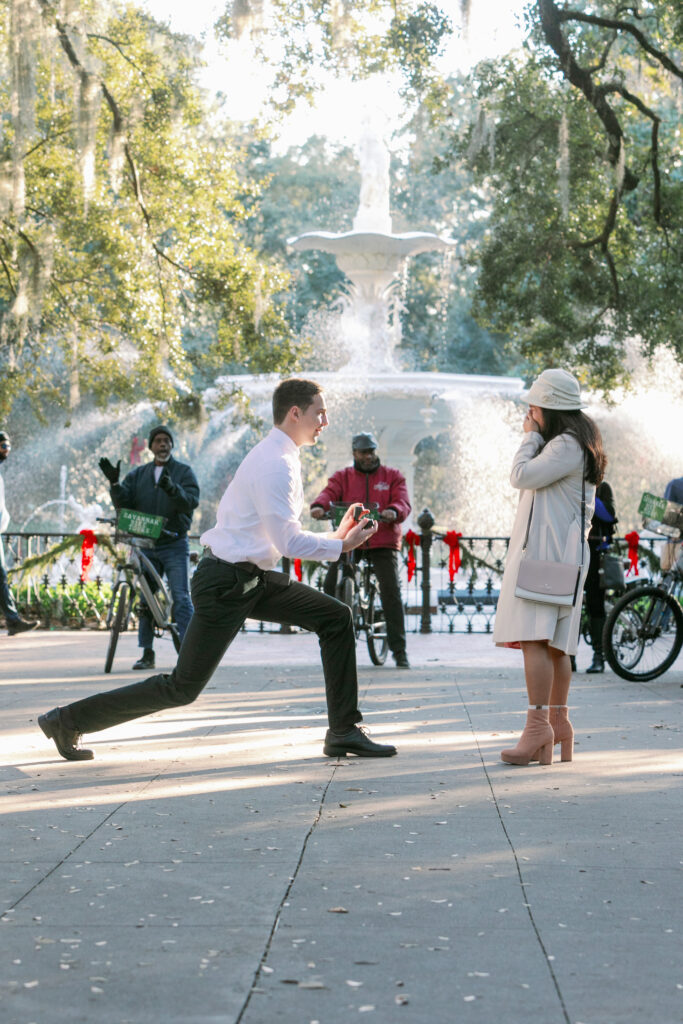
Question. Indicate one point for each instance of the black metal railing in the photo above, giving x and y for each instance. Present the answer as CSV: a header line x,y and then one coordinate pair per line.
x,y
433,601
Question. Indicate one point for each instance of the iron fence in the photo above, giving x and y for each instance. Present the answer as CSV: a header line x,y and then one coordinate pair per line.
x,y
437,599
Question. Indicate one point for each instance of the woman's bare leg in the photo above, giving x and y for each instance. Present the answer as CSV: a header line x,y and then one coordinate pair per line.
x,y
539,670
562,677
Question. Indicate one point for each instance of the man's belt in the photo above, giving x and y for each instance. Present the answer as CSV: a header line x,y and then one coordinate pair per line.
x,y
248,567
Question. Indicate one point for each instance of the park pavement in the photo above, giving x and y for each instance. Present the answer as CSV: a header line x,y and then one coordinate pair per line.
x,y
210,866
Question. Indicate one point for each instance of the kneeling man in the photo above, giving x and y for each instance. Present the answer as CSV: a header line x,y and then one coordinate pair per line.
x,y
258,521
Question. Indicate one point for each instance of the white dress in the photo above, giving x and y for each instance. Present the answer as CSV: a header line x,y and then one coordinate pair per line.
x,y
554,472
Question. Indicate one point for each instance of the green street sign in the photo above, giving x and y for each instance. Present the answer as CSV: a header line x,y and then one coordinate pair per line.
x,y
659,510
652,507
142,524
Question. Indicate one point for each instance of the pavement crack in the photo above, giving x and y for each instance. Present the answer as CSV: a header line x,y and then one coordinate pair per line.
x,y
283,901
518,866
77,847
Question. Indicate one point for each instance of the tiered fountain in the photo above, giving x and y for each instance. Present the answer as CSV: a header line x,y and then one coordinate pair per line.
x,y
370,392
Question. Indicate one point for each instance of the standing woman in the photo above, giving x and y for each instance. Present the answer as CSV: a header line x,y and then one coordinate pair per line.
x,y
560,454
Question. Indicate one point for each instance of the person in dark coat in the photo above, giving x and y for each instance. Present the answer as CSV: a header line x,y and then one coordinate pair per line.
x,y
165,488
8,607
600,536
371,482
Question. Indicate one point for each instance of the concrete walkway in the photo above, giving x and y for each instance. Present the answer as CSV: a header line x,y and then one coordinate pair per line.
x,y
212,866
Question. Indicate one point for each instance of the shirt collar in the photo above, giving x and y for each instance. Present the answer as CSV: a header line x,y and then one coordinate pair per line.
x,y
284,441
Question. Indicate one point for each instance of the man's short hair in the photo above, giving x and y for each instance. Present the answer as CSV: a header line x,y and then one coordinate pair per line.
x,y
291,392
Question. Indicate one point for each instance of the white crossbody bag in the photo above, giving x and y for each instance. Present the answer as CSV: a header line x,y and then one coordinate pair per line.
x,y
551,582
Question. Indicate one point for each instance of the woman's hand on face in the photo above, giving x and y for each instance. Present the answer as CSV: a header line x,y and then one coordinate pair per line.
x,y
530,423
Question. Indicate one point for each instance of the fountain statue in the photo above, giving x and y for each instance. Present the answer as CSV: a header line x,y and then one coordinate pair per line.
x,y
371,256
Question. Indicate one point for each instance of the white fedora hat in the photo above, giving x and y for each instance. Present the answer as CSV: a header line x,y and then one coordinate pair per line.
x,y
555,389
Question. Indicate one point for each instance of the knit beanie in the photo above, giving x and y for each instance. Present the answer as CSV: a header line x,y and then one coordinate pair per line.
x,y
161,429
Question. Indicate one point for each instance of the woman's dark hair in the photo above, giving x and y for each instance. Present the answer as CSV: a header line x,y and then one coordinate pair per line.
x,y
586,432
294,391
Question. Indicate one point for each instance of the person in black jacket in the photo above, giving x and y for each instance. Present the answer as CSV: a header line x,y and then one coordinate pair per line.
x,y
600,536
166,488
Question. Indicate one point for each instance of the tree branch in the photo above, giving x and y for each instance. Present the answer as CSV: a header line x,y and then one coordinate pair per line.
x,y
582,79
622,26
654,147
119,125
117,46
44,142
8,276
605,54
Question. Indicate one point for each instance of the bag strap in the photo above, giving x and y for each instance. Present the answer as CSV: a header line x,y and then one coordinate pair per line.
x,y
583,514
583,508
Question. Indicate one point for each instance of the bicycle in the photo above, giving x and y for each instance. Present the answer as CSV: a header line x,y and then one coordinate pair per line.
x,y
137,578
357,588
612,595
644,632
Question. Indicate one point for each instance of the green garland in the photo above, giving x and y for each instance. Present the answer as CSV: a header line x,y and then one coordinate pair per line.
x,y
70,545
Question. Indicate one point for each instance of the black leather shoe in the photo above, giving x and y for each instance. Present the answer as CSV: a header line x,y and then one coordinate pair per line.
x,y
147,659
597,665
20,626
66,740
355,741
401,660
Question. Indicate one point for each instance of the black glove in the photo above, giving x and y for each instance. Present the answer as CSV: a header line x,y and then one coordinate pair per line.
x,y
167,484
111,472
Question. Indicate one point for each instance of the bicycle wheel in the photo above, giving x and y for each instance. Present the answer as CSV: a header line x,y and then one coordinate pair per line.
x,y
643,633
118,623
376,626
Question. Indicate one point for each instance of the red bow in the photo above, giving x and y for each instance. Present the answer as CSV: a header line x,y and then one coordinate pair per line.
x,y
411,539
87,549
453,540
298,571
136,450
632,539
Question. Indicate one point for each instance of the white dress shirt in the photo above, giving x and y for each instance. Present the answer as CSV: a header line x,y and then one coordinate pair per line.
x,y
259,516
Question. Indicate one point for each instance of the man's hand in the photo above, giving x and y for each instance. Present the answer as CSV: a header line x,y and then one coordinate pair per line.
x,y
317,512
350,519
389,515
111,472
166,484
359,533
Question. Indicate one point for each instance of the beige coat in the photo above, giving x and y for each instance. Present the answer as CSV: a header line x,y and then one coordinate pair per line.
x,y
554,472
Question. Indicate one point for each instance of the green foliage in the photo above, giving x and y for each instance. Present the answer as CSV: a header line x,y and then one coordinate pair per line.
x,y
353,37
140,283
74,605
572,277
310,187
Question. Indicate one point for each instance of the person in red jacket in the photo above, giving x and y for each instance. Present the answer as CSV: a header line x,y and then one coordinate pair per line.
x,y
369,481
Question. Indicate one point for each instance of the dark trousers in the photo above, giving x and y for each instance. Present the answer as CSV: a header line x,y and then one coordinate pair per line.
x,y
7,605
384,562
224,596
595,595
171,558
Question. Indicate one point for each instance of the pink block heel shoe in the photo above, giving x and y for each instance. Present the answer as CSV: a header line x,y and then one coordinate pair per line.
x,y
536,742
562,730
